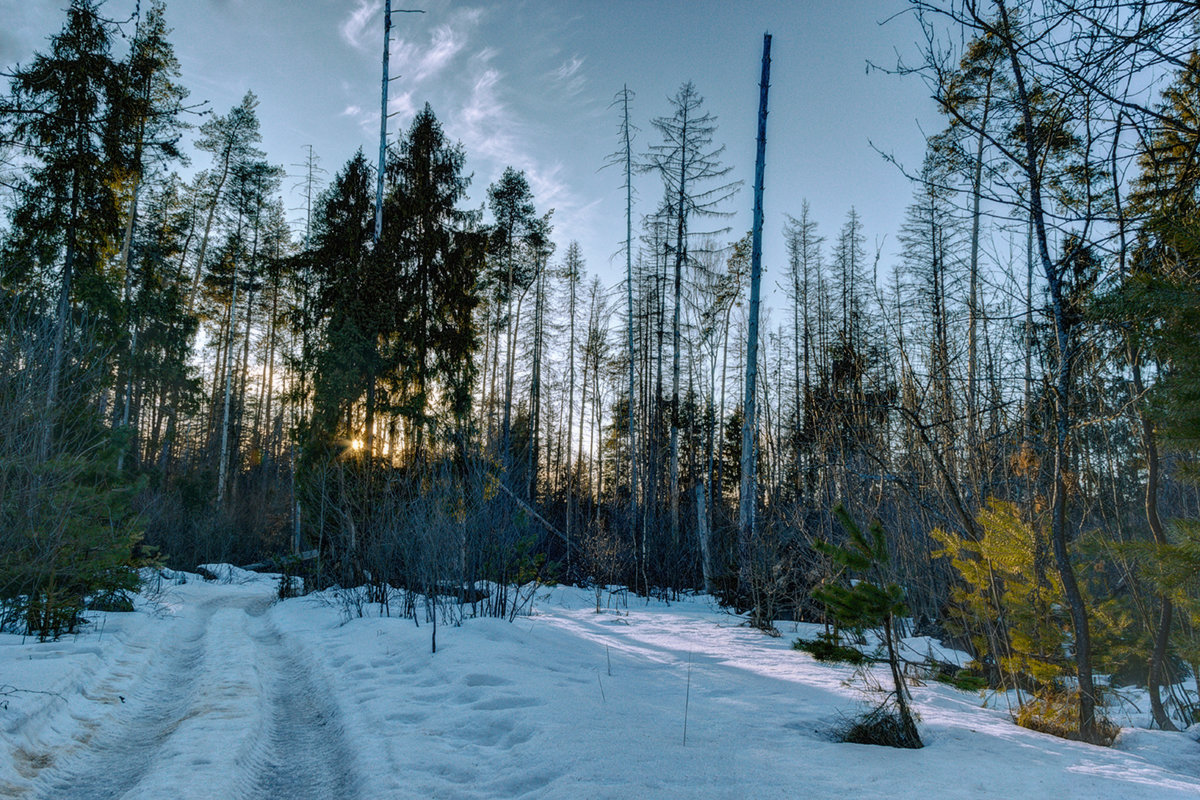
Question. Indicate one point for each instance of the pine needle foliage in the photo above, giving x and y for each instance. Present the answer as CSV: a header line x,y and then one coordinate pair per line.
x,y
858,598
1009,600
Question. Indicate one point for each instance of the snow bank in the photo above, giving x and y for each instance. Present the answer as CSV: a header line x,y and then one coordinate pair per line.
x,y
570,703
562,703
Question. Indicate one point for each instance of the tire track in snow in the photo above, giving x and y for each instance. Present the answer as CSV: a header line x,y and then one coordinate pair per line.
x,y
304,754
146,718
228,712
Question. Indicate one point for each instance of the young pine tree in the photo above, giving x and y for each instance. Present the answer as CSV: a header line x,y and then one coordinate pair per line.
x,y
863,602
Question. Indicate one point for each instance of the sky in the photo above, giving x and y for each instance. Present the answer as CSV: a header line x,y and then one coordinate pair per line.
x,y
530,83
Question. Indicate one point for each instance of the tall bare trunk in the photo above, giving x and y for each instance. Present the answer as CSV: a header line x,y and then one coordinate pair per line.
x,y
748,500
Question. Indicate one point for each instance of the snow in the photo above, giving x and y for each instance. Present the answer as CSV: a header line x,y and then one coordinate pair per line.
x,y
213,689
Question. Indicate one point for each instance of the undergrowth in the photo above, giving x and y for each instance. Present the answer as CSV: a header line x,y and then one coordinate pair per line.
x,y
881,725
826,647
1056,712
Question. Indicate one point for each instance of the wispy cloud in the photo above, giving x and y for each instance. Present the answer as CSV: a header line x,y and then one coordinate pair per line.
x,y
486,124
569,68
491,130
359,28
569,77
419,62
400,106
416,58
481,93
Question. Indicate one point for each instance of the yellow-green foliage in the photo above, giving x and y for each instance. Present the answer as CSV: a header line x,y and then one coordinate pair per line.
x,y
1010,598
1056,712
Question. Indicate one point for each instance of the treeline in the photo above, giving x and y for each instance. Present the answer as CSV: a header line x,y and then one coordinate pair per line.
x,y
435,400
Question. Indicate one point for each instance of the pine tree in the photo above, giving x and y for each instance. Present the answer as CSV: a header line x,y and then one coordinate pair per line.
x,y
230,139
859,598
1156,309
149,125
511,203
160,374
688,164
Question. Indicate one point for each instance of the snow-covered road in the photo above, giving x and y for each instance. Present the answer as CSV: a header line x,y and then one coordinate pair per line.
x,y
211,690
221,708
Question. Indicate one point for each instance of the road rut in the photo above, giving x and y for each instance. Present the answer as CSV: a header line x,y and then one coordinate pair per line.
x,y
227,710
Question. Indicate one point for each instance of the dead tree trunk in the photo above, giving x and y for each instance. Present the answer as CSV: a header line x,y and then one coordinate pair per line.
x,y
749,485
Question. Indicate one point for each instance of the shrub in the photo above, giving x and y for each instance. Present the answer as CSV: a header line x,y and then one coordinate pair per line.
x,y
67,529
1056,711
827,648
965,679
869,601
882,725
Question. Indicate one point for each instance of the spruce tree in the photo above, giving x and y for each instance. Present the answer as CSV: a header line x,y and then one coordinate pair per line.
x,y
347,358
66,222
436,257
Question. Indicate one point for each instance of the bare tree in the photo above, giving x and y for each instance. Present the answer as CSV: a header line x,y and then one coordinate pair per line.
x,y
688,165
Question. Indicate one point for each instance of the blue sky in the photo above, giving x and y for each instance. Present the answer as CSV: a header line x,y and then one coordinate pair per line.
x,y
530,82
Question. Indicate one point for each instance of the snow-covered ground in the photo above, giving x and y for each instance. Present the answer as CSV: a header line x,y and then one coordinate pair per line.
x,y
213,690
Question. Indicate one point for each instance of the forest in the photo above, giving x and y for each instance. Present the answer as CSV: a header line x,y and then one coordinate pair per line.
x,y
441,404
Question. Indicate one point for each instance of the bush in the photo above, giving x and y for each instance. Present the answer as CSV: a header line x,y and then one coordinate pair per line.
x,y
882,725
1056,712
870,601
827,648
965,679
67,529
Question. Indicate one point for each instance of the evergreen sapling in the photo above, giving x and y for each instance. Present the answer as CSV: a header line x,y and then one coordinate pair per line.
x,y
866,602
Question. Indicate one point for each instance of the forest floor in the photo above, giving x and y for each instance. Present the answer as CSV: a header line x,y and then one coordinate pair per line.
x,y
213,690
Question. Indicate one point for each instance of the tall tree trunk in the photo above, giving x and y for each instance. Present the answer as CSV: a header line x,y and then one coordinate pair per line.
x,y
633,470
680,256
1162,634
573,286
973,294
583,426
510,359
223,463
62,317
676,343
748,500
1027,397
208,221
272,331
535,384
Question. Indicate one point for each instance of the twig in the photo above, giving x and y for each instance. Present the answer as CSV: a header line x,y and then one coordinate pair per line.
x,y
687,702
529,510
7,689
